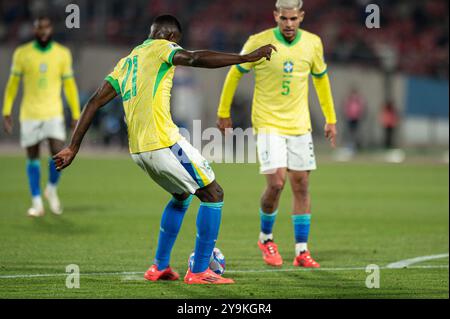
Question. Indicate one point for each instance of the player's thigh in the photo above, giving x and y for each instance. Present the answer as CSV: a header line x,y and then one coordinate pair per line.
x,y
55,145
33,151
299,181
272,152
277,180
301,155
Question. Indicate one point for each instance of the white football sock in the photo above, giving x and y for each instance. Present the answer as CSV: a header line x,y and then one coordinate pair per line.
x,y
37,202
51,188
265,237
300,247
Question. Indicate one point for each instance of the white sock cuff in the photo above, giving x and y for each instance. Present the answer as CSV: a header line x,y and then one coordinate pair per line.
x,y
265,237
300,247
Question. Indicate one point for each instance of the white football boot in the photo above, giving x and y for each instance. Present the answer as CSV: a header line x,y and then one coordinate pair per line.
x,y
52,196
37,208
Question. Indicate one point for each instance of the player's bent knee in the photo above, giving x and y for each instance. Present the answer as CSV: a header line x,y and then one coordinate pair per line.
x,y
213,193
181,197
277,187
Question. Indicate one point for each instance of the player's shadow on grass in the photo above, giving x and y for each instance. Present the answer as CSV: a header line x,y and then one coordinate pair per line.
x,y
183,290
57,225
336,254
77,209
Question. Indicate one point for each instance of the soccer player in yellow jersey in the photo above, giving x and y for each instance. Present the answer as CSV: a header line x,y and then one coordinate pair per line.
x,y
44,66
144,80
281,121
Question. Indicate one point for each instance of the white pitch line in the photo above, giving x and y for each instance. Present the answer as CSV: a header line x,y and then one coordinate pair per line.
x,y
408,262
130,275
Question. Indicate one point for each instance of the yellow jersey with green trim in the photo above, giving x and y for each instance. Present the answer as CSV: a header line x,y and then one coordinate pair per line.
x,y
42,72
280,101
144,79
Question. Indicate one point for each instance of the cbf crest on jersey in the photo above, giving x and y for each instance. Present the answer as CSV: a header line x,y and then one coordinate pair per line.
x,y
43,67
174,46
288,67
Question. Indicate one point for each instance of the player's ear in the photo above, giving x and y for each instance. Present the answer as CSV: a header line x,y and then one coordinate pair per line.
x,y
276,15
302,16
174,37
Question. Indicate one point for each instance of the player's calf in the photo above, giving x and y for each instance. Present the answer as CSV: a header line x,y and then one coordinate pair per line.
x,y
208,224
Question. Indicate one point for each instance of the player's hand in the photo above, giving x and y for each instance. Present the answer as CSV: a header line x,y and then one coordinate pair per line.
x,y
262,52
8,124
73,124
64,158
331,133
224,123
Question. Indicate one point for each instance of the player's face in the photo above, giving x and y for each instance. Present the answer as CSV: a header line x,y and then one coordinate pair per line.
x,y
43,30
289,21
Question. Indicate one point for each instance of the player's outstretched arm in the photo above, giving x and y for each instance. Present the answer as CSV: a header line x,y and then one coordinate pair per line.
x,y
212,60
101,97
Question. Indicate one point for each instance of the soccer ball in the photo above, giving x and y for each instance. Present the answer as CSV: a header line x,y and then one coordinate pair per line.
x,y
216,262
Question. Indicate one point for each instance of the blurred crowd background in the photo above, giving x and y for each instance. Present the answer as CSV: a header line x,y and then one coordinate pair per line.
x,y
376,73
415,30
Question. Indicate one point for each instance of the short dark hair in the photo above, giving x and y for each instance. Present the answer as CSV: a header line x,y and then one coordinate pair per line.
x,y
42,17
167,20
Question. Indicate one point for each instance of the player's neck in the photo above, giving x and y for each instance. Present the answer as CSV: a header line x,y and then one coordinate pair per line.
x,y
287,41
290,40
43,46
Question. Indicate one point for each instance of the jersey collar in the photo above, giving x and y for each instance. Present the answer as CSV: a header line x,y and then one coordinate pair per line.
x,y
279,36
41,49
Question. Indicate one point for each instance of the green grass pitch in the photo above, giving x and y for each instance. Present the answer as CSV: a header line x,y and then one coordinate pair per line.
x,y
362,214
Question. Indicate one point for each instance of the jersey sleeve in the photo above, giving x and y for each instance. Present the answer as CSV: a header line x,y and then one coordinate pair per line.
x,y
249,46
67,70
319,66
113,77
168,51
17,65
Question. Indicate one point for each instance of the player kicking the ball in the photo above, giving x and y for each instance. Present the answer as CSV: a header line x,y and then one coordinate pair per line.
x,y
144,80
282,122
44,66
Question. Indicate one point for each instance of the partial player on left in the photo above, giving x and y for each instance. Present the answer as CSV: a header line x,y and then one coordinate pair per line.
x,y
44,66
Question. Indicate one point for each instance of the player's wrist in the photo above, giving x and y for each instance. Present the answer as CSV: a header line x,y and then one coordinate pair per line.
x,y
246,58
74,148
222,116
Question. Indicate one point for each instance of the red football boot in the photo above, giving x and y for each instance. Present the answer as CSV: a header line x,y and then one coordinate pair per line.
x,y
305,260
207,277
153,274
270,253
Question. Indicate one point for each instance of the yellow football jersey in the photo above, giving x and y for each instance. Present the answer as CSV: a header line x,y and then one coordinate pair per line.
x,y
144,80
280,99
42,71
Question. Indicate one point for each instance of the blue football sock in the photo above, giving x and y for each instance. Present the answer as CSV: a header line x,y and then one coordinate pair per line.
x,y
267,221
301,227
208,224
171,221
53,174
34,176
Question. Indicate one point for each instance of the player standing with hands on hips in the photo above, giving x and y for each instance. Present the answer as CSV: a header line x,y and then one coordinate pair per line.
x,y
281,121
44,66
144,80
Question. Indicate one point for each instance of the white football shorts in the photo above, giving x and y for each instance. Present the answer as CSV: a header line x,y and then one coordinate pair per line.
x,y
178,169
33,132
282,151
